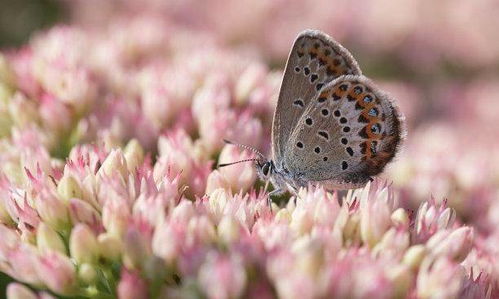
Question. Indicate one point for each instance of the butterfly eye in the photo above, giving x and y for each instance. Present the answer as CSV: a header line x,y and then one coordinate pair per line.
x,y
266,168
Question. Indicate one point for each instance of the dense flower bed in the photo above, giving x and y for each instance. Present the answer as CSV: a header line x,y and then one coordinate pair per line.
x,y
109,140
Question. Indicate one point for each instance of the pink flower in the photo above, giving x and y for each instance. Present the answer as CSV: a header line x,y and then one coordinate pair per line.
x,y
83,244
26,217
48,239
178,155
431,218
478,287
136,245
22,67
239,177
55,114
368,277
23,260
223,276
164,93
131,285
57,272
454,244
439,278
377,203
19,291
9,241
52,209
82,212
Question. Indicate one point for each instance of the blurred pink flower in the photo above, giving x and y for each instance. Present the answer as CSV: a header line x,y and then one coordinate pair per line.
x,y
454,245
179,155
439,278
22,67
19,291
131,285
57,272
479,287
238,177
223,276
83,244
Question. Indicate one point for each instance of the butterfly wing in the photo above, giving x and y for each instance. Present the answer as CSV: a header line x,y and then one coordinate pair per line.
x,y
314,61
349,132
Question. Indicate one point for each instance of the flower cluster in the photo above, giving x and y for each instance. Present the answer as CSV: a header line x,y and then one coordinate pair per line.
x,y
110,226
109,141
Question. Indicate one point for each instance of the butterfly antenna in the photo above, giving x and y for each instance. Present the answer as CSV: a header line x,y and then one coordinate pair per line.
x,y
246,147
232,163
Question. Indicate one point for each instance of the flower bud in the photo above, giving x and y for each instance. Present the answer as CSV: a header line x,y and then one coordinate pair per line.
x,y
22,110
110,247
216,181
202,228
13,170
309,256
4,214
183,212
240,176
253,76
135,248
455,245
115,163
222,276
375,214
54,114
68,188
87,273
301,221
154,269
134,155
228,229
166,242
393,244
19,291
52,210
431,218
414,255
400,217
218,200
49,239
115,217
283,216
57,272
439,278
22,257
83,244
82,212
401,277
131,285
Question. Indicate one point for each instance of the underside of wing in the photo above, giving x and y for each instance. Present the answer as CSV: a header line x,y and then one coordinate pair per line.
x,y
314,61
349,132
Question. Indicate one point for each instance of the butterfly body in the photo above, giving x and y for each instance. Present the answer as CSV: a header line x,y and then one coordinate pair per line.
x,y
332,126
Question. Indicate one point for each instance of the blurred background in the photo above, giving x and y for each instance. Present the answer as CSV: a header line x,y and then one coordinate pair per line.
x,y
440,59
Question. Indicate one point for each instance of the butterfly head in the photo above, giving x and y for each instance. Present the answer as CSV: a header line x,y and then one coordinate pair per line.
x,y
265,169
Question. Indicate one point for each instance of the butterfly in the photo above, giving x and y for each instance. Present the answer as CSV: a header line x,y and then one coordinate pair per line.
x,y
332,126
